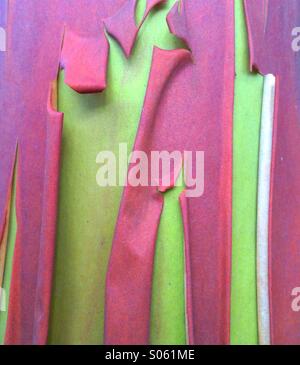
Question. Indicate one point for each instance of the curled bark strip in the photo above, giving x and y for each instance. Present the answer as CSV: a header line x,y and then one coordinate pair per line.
x,y
84,60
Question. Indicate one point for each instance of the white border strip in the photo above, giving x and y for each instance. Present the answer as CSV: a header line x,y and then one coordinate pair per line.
x,y
264,183
2,300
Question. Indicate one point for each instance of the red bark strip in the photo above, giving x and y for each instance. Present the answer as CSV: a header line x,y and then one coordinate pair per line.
x,y
129,277
49,218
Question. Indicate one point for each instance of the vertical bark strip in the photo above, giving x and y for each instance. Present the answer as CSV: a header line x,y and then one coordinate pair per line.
x,y
49,218
270,27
